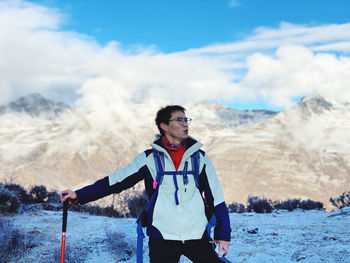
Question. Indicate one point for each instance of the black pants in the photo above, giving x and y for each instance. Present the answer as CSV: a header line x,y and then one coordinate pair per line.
x,y
170,251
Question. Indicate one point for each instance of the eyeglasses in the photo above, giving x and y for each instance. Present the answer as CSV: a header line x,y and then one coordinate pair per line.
x,y
182,120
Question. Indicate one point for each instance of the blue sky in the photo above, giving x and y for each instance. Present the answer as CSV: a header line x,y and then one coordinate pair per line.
x,y
238,52
183,24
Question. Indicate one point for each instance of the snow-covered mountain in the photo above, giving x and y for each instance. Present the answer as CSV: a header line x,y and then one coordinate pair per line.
x,y
301,152
35,105
216,114
76,145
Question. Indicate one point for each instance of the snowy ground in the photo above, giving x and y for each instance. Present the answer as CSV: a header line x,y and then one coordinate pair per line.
x,y
310,236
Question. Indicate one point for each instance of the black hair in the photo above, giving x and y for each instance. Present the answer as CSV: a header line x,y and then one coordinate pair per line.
x,y
164,115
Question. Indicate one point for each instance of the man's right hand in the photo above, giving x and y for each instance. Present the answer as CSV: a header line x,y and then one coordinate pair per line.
x,y
68,195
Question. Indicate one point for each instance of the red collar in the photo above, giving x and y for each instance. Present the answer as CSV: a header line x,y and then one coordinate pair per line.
x,y
170,146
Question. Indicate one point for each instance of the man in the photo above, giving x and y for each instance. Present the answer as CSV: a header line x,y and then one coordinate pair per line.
x,y
177,219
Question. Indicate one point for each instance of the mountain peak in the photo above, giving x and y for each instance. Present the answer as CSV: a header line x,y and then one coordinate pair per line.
x,y
316,103
35,104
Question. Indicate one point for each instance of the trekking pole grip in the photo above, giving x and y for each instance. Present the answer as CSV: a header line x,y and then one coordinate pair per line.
x,y
65,213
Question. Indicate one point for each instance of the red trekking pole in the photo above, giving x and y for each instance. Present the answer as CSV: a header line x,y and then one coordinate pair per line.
x,y
64,226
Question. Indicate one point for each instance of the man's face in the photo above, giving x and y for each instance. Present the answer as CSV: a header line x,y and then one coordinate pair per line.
x,y
176,131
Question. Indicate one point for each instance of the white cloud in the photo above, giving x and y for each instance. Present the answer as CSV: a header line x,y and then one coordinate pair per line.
x,y
17,14
276,64
233,3
295,71
288,62
42,58
265,38
35,55
342,46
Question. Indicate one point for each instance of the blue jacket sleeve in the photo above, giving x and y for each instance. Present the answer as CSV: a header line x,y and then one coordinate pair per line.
x,y
215,198
106,186
222,229
95,191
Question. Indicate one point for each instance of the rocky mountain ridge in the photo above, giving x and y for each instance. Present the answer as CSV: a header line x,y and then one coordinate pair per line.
x,y
35,104
302,152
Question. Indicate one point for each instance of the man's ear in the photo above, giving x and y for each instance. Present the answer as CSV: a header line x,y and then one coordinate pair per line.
x,y
164,126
